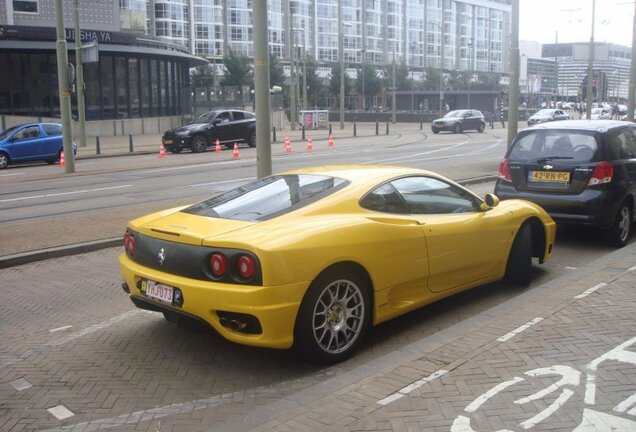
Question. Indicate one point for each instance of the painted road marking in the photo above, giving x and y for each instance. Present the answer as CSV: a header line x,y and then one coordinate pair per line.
x,y
632,268
519,329
60,412
590,291
409,388
60,328
21,384
12,174
219,182
65,193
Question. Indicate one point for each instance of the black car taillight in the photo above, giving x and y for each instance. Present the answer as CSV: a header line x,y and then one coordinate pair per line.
x,y
504,171
603,173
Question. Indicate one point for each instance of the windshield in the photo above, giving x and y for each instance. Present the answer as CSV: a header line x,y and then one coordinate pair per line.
x,y
203,118
269,197
544,112
544,146
7,132
456,113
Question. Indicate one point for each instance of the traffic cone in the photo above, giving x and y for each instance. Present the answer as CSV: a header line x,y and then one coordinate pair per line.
x,y
162,152
62,159
288,147
217,146
310,144
235,153
330,141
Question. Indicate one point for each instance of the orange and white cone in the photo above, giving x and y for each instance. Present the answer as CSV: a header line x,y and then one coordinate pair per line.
x,y
330,141
288,147
162,152
310,144
62,159
217,146
235,152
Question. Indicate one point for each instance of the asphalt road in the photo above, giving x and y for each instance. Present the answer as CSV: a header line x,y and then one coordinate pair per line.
x,y
71,338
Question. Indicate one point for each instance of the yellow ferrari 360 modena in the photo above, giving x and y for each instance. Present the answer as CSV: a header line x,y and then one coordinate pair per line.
x,y
310,259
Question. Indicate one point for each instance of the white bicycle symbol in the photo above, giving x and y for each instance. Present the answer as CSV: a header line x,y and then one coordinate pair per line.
x,y
570,378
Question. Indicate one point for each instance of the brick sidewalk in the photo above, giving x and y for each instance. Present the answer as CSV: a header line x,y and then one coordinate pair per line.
x,y
494,371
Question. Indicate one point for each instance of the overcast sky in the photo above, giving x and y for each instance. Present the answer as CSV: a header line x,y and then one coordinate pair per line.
x,y
541,19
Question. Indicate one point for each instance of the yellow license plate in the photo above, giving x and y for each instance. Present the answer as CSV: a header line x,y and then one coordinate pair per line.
x,y
550,176
167,141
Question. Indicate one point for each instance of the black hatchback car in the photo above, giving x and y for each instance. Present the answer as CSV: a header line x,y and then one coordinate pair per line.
x,y
579,171
227,126
458,121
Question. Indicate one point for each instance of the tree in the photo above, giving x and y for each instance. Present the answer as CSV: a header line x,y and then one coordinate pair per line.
x,y
203,76
276,74
237,69
402,80
334,82
315,86
431,78
372,84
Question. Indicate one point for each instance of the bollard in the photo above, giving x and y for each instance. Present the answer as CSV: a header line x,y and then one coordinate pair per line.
x,y
329,128
130,143
303,132
387,128
377,128
97,149
421,121
354,130
273,133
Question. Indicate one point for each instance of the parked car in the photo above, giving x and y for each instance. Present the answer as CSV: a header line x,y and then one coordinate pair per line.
x,y
311,258
601,114
226,125
546,115
580,171
32,142
458,121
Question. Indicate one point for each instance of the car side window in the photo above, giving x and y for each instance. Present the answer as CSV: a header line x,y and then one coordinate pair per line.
x,y
427,195
52,129
621,145
384,199
238,115
27,133
224,117
630,142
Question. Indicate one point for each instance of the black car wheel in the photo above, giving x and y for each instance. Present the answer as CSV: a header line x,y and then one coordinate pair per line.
x,y
199,143
251,141
519,265
333,317
4,160
481,127
435,131
457,128
622,227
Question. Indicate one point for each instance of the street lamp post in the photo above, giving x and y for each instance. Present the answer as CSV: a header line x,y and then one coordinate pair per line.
x,y
341,57
590,66
470,68
441,64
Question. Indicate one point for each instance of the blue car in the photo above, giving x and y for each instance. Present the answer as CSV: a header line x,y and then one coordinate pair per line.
x,y
32,142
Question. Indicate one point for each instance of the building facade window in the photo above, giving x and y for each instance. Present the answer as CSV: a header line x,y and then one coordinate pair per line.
x,y
26,6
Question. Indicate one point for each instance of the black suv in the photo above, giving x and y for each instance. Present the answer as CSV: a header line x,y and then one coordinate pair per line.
x,y
227,126
579,171
460,120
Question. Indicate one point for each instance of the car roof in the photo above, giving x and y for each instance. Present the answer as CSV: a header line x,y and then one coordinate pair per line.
x,y
583,125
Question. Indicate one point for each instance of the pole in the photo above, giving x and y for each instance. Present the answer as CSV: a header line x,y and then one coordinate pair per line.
x,y
470,68
393,108
305,102
590,66
341,57
513,91
556,71
65,94
79,67
261,87
632,76
292,72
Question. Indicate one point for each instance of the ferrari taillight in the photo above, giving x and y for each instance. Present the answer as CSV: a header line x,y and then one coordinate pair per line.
x,y
218,264
603,173
504,171
246,266
130,243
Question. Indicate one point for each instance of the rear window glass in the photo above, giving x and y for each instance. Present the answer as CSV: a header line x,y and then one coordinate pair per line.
x,y
269,197
542,145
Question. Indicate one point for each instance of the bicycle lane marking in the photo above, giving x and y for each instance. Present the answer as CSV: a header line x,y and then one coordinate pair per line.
x,y
409,388
520,329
